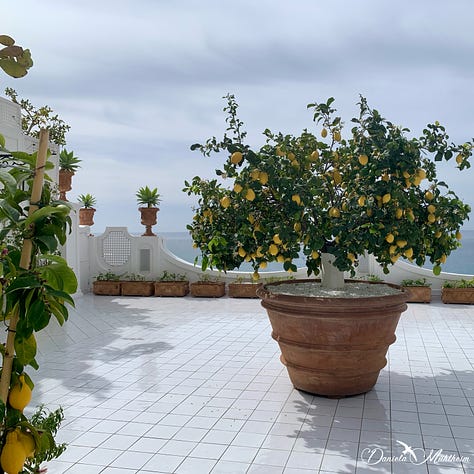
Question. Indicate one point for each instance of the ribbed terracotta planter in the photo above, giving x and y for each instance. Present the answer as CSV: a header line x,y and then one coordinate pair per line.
x,y
418,294
64,183
243,290
86,216
105,287
333,346
171,288
207,289
148,219
457,295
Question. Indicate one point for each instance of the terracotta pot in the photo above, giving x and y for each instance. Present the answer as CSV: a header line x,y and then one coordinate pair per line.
x,y
333,346
148,219
109,288
86,216
137,288
207,289
457,295
64,184
243,290
418,294
171,288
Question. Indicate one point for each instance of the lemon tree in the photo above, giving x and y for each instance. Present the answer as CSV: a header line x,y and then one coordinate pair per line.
x,y
36,285
370,189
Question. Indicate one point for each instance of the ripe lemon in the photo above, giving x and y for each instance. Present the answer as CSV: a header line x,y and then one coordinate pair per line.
x,y
369,212
259,253
297,226
385,177
406,174
279,151
225,202
408,253
458,235
459,159
280,258
28,442
351,257
255,174
296,198
263,265
255,276
386,198
337,136
324,133
238,188
20,394
315,254
438,234
251,218
363,159
314,156
263,178
398,213
394,258
276,239
291,156
236,157
401,243
417,180
429,196
431,218
250,195
334,212
13,454
431,209
361,201
337,177
273,249
421,173
393,249
443,258
242,252
389,238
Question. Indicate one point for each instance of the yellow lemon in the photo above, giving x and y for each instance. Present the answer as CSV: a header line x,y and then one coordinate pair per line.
x,y
363,159
421,173
263,178
398,213
351,257
458,235
401,243
459,159
431,218
386,198
259,252
406,174
314,254
255,276
28,442
236,157
280,258
361,201
279,151
250,195
242,252
296,198
13,455
337,136
324,133
417,181
20,394
276,239
297,226
337,177
251,218
429,196
438,234
394,258
273,249
385,177
393,249
408,253
255,174
369,212
334,212
314,156
263,265
225,202
390,238
443,258
431,209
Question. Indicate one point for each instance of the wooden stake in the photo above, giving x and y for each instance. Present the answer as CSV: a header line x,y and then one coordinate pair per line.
x,y
25,261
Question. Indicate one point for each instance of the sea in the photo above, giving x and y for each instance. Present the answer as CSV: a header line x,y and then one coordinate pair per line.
x,y
461,260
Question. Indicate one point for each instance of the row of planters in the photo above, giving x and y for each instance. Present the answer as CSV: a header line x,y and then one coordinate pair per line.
x,y
174,285
457,291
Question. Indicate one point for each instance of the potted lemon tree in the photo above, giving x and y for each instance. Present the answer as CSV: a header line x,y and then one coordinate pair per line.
x,y
331,196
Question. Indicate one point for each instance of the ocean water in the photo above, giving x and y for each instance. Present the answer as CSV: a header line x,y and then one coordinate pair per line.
x,y
460,261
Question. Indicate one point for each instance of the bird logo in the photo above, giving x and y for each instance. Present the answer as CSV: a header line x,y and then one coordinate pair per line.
x,y
408,450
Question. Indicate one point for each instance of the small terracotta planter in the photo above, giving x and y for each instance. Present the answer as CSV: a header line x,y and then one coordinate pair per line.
x,y
243,290
418,294
207,289
148,219
64,184
86,216
171,288
137,288
106,288
457,295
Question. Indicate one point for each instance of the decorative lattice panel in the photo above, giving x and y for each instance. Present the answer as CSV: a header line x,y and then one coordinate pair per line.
x,y
116,248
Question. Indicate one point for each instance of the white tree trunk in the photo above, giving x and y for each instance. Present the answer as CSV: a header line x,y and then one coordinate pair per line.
x,y
331,277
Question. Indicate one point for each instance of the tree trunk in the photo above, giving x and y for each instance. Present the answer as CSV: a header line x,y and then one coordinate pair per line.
x,y
331,277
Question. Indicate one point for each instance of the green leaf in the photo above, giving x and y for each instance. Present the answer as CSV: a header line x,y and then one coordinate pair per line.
x,y
44,212
23,282
2,141
8,180
59,276
25,349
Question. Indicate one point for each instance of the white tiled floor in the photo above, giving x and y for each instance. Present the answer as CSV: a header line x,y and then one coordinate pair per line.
x,y
188,385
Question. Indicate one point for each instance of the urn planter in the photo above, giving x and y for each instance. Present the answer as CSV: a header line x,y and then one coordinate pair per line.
x,y
148,219
333,346
171,288
65,183
208,289
86,216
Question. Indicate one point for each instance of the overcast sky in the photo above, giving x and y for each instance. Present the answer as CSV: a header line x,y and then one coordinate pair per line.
x,y
140,81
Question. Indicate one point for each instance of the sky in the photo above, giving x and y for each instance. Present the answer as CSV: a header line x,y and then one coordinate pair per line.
x,y
140,81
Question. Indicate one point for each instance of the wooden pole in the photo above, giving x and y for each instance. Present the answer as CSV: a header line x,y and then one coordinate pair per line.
x,y
25,261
